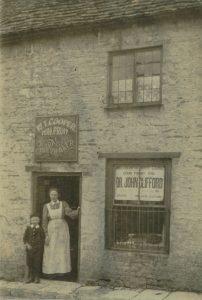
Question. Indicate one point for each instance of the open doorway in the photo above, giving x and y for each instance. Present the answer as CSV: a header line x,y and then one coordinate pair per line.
x,y
69,191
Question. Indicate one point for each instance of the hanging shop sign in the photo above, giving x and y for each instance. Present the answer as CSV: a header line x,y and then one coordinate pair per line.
x,y
56,138
139,183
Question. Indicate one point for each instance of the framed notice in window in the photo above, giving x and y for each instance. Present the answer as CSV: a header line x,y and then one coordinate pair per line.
x,y
56,138
139,183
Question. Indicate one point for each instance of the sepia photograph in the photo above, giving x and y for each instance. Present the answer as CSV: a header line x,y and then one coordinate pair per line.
x,y
101,149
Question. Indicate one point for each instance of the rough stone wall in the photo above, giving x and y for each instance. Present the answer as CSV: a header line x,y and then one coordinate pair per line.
x,y
68,75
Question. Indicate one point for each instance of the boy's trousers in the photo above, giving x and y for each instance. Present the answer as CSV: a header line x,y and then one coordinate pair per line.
x,y
34,260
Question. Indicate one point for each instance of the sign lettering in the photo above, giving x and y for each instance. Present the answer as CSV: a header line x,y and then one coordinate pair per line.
x,y
139,183
56,138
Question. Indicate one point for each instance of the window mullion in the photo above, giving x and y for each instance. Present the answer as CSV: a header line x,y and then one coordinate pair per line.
x,y
134,80
110,80
139,188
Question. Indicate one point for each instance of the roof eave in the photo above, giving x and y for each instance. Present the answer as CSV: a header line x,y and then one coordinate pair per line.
x,y
20,35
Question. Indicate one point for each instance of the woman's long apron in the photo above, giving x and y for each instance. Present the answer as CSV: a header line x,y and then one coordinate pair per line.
x,y
56,259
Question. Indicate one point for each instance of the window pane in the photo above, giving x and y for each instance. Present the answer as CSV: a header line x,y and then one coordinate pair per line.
x,y
122,79
140,82
115,61
139,58
148,69
129,85
140,89
115,86
115,74
122,97
156,55
147,95
140,69
148,89
122,61
122,73
115,97
122,85
148,82
156,68
155,82
129,97
147,56
140,95
155,95
129,72
129,60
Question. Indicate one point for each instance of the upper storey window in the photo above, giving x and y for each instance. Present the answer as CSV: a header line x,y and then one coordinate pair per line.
x,y
135,77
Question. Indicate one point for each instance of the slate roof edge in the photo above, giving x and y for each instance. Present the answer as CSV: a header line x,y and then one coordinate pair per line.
x,y
14,36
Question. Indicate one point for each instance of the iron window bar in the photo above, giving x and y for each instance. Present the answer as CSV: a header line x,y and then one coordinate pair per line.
x,y
137,228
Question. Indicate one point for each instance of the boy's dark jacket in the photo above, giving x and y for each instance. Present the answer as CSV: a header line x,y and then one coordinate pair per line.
x,y
34,236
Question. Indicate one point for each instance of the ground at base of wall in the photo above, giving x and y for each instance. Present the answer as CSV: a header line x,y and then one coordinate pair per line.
x,y
47,289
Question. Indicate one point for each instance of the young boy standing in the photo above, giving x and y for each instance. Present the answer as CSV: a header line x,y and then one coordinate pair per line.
x,y
34,238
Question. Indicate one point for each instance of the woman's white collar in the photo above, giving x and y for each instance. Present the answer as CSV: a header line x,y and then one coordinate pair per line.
x,y
55,202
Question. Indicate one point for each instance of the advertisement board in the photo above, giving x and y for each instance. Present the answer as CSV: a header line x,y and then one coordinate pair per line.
x,y
56,138
139,183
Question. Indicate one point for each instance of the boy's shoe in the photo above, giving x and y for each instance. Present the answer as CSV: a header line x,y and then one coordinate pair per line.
x,y
37,280
29,280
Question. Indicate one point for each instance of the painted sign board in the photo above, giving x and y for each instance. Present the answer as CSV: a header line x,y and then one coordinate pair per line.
x,y
56,138
139,183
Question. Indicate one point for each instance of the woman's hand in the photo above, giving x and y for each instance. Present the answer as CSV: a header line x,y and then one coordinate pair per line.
x,y
47,240
28,246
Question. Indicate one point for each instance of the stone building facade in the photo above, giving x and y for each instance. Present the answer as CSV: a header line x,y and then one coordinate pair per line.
x,y
57,64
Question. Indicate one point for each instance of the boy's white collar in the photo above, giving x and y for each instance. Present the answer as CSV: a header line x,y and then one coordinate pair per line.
x,y
32,226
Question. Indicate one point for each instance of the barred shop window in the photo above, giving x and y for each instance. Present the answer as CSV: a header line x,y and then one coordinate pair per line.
x,y
138,205
135,77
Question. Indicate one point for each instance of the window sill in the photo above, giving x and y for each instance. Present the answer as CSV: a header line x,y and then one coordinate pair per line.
x,y
132,106
140,252
139,155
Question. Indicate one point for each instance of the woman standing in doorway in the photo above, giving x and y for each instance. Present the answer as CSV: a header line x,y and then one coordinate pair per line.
x,y
56,258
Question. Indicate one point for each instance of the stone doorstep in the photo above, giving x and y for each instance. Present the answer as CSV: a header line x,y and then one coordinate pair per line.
x,y
43,290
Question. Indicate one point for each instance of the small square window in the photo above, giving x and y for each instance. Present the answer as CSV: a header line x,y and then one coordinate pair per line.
x,y
135,77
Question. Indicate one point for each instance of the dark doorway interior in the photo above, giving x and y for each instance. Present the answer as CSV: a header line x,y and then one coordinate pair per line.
x,y
68,187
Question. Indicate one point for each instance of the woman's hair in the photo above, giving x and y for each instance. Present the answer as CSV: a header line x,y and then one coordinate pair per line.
x,y
53,189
